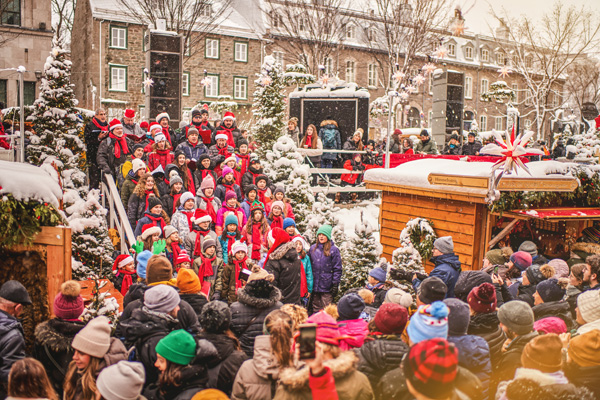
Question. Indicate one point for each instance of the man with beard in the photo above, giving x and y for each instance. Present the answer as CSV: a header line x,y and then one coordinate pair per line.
x,y
95,132
229,128
200,122
426,145
132,130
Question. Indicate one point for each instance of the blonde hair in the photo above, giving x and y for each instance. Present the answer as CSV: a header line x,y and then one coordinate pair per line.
x,y
367,296
87,378
297,313
332,310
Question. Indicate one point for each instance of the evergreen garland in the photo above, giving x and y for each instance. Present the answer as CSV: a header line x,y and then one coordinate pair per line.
x,y
20,221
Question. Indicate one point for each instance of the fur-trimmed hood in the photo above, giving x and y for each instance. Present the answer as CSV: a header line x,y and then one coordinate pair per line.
x,y
297,379
57,334
590,248
329,122
256,302
283,251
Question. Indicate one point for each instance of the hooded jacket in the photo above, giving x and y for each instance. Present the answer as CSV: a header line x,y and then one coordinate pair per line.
x,y
127,188
327,270
330,128
487,326
286,267
356,329
558,309
380,354
474,355
447,268
511,358
12,345
248,314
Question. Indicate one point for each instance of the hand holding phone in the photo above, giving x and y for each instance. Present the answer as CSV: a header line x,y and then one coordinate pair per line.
x,y
307,341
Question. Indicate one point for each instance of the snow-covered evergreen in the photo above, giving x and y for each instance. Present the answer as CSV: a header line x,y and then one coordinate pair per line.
x,y
324,212
102,304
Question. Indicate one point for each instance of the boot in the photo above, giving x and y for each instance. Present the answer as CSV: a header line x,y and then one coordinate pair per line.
x,y
354,197
337,197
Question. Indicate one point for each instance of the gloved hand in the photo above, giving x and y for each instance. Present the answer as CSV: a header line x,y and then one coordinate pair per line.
x,y
334,291
159,247
138,247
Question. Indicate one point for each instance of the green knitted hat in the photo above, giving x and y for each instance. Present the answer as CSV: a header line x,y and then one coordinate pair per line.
x,y
325,230
178,347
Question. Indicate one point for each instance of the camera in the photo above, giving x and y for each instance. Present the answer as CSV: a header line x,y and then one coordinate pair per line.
x,y
402,274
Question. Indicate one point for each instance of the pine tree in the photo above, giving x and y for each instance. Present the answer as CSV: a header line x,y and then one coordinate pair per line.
x,y
101,304
324,213
363,255
285,167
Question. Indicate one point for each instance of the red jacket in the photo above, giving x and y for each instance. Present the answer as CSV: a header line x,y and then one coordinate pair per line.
x,y
323,387
155,159
3,142
353,178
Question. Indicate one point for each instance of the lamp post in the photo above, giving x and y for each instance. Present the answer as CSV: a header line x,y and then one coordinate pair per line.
x,y
21,70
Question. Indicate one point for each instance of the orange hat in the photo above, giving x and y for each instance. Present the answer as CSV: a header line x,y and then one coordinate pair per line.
x,y
187,281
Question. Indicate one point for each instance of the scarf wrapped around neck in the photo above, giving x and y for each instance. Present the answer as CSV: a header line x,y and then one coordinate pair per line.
x,y
127,280
205,271
103,126
157,219
230,240
303,282
262,195
210,209
224,151
277,222
239,265
147,193
120,145
308,141
256,241
200,235
176,248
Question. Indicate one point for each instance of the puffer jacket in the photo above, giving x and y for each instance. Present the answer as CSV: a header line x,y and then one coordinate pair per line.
x,y
145,220
286,267
192,152
470,149
330,128
196,300
52,347
356,329
350,384
558,309
217,158
555,383
474,355
525,293
327,270
467,280
248,314
429,147
380,354
222,190
106,159
487,326
226,364
249,178
193,379
12,345
257,378
179,221
136,206
511,359
588,377
447,268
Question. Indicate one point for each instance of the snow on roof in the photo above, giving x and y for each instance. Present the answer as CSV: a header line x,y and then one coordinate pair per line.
x,y
351,90
28,182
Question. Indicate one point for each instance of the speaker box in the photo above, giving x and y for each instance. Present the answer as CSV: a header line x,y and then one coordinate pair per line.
x,y
448,105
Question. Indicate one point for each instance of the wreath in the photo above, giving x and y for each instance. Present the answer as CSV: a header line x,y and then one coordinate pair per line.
x,y
419,234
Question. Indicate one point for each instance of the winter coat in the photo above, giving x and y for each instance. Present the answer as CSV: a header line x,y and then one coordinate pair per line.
x,y
349,145
179,221
202,173
146,220
216,283
135,209
228,279
526,293
349,383
196,300
257,378
206,131
474,355
12,345
470,149
353,179
52,347
168,203
429,147
106,156
327,270
201,203
249,178
559,151
222,214
192,152
247,237
190,242
92,142
511,358
357,330
308,272
233,133
226,364
127,188
295,135
379,291
556,383
331,139
248,314
451,150
588,377
285,265
487,326
134,132
314,155
193,379
221,191
216,158
160,158
558,309
380,354
447,268
392,386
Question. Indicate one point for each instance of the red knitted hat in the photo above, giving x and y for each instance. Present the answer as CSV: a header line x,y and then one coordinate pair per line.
x,y
129,113
182,257
68,304
144,125
482,298
391,318
431,366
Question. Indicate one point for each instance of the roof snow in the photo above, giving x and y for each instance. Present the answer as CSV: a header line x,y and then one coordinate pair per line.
x,y
28,182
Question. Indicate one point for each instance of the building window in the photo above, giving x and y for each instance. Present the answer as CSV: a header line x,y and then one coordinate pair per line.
x,y
529,62
240,88
241,52
469,53
276,19
371,33
350,31
501,59
118,37
118,78
484,86
515,88
278,56
3,94
468,87
185,81
372,75
483,123
212,48
206,10
350,76
28,93
485,55
328,65
451,49
11,12
498,123
212,90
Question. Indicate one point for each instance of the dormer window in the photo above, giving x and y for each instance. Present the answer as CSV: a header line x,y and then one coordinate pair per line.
x,y
469,52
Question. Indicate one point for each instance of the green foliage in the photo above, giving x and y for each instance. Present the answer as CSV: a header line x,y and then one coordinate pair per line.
x,y
101,304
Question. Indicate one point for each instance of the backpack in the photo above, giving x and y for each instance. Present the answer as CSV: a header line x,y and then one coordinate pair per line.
x,y
329,135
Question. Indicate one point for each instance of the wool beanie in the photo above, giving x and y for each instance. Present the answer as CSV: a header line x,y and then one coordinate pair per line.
x,y
391,319
444,244
226,170
207,183
325,230
398,296
153,201
543,353
549,290
178,347
250,188
430,321
137,164
350,306
161,299
215,317
259,273
458,317
210,394
584,349
94,338
208,242
188,281
496,257
158,269
521,259
378,273
517,316
121,381
185,197
560,267
142,262
170,229
482,298
550,325
174,180
431,366
278,203
467,280
239,246
68,304
230,195
287,222
529,247
588,303
534,274
231,219
432,289
183,257
328,330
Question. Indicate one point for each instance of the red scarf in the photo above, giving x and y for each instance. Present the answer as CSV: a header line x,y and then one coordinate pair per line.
x,y
303,283
224,151
103,128
120,145
308,141
175,199
198,242
228,186
256,241
277,222
205,134
157,221
261,195
127,280
165,132
147,193
239,266
244,165
189,214
176,251
210,210
229,133
205,271
230,240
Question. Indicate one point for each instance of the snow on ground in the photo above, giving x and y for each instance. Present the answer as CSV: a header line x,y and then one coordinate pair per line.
x,y
28,182
349,217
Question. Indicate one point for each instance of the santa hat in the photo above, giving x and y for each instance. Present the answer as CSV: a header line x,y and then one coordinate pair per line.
x,y
221,136
200,216
161,116
182,257
144,125
277,236
149,230
115,123
121,261
229,115
154,127
129,113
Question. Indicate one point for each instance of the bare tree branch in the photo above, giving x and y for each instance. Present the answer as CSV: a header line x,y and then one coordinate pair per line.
x,y
583,82
63,12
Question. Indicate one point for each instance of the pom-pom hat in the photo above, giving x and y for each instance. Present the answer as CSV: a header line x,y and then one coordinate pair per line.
x,y
430,321
482,298
68,303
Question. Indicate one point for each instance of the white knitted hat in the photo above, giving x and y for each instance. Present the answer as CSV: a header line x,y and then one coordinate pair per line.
x,y
94,338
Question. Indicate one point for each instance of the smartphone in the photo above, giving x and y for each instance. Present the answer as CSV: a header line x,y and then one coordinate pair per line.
x,y
307,340
496,269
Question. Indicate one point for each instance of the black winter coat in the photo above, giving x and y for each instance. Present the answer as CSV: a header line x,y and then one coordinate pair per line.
x,y
526,294
135,209
52,347
106,156
90,135
510,360
248,314
379,356
12,346
221,191
193,379
558,309
470,149
487,326
379,296
588,377
196,300
285,265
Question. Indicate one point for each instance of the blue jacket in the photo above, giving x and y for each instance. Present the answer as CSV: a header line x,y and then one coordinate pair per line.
x,y
144,221
308,272
327,271
330,127
447,268
192,152
474,355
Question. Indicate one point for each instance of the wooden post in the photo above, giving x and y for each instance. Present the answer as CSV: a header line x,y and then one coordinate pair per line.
x,y
502,233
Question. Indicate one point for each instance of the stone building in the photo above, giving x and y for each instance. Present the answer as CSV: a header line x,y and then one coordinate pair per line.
x,y
26,40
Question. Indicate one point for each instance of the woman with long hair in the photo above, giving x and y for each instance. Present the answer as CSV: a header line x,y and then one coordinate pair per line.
x,y
169,200
161,153
311,147
326,263
184,172
255,231
138,201
28,380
